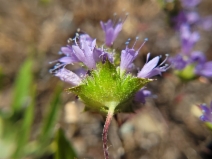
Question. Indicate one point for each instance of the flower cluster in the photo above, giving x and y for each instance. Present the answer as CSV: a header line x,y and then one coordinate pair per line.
x,y
193,61
103,85
189,15
101,76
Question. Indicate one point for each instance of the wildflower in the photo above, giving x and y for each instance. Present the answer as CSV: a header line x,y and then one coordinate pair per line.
x,y
111,30
207,113
141,95
151,68
128,56
179,62
104,86
188,38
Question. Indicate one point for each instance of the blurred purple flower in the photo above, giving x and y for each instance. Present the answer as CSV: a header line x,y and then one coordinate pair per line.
x,y
151,68
188,38
111,30
178,62
141,95
204,69
207,113
197,57
190,3
206,23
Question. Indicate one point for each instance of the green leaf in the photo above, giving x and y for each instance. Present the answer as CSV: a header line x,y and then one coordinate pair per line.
x,y
25,128
51,117
106,88
23,84
64,149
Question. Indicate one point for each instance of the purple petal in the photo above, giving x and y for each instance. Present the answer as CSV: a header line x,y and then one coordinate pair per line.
x,y
148,67
204,69
111,31
68,60
198,56
141,95
178,62
127,57
68,76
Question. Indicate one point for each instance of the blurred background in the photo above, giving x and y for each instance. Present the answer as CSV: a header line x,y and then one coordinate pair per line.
x,y
39,120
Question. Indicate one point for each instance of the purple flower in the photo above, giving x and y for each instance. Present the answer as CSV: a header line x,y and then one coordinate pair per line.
x,y
151,68
68,76
141,95
188,38
111,30
190,3
204,69
178,62
192,17
197,57
85,53
206,23
207,113
128,56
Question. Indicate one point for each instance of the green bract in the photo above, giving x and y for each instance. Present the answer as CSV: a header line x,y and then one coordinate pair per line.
x,y
107,89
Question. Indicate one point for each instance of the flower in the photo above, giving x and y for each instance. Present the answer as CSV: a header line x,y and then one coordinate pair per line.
x,y
188,38
128,56
103,85
151,68
111,30
207,113
141,95
178,62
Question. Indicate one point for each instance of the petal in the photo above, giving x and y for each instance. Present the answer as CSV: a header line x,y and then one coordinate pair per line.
x,y
68,60
68,76
148,67
109,36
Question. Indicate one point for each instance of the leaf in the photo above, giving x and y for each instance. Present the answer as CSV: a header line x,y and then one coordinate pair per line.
x,y
25,128
106,88
51,117
23,84
64,149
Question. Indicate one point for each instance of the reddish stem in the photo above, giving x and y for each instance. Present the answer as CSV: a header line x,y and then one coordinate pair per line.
x,y
105,132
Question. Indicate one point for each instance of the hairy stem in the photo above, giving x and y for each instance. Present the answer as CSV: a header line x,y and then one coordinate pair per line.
x,y
105,132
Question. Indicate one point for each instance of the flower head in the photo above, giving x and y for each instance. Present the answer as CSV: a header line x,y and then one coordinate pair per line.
x,y
207,113
104,85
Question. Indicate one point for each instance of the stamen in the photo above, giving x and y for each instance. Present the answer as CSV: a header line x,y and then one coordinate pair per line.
x,y
167,56
147,57
60,52
136,39
51,62
145,40
69,40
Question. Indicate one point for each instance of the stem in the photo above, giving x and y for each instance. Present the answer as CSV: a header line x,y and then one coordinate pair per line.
x,y
105,131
